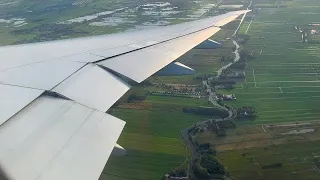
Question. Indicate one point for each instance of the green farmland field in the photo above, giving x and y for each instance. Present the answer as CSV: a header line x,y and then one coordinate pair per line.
x,y
152,138
283,80
297,162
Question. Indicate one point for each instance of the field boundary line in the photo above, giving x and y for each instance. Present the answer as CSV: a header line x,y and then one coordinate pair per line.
x,y
248,28
244,16
317,81
253,93
280,89
316,168
289,110
254,78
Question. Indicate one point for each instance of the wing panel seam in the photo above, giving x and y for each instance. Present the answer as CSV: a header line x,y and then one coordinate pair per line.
x,y
155,44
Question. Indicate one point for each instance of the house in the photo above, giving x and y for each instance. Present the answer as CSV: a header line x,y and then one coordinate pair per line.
x,y
313,32
229,97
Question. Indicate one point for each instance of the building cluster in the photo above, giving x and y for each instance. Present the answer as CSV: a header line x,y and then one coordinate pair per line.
x,y
226,97
168,177
178,93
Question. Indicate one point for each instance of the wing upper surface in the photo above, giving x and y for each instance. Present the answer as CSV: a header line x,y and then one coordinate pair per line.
x,y
54,95
139,65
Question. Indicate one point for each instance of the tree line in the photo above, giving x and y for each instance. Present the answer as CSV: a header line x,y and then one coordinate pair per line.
x,y
209,111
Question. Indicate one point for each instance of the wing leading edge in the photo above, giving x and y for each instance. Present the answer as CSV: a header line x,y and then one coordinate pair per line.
x,y
52,120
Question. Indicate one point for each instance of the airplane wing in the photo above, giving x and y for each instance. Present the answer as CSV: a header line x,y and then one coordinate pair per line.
x,y
54,96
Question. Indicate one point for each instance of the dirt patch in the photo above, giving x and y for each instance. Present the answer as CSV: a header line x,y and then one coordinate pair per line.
x,y
136,105
242,145
249,137
249,130
233,137
255,136
298,131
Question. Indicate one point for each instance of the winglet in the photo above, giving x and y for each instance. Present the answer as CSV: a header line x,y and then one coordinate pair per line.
x,y
119,151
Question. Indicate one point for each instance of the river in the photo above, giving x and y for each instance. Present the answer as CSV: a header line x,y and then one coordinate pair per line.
x,y
236,58
213,100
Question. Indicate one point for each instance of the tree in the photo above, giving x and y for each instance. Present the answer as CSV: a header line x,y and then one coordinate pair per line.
x,y
212,151
246,112
243,55
180,172
222,59
243,38
137,95
181,4
206,148
211,111
212,165
200,172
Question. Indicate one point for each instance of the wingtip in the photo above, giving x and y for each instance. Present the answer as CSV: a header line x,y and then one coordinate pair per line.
x,y
119,151
243,11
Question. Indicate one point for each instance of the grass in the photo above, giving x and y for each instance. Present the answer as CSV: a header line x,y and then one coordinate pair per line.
x,y
162,122
139,164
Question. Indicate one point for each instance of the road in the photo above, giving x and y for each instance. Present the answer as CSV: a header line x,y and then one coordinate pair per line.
x,y
188,143
205,14
235,32
248,27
